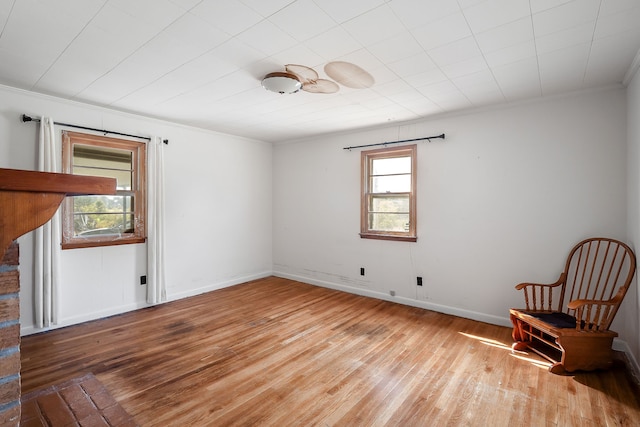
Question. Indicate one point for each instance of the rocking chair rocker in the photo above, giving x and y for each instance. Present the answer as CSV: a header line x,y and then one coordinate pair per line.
x,y
576,336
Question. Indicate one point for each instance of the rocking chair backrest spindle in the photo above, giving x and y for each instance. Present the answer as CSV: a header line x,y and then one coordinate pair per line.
x,y
598,269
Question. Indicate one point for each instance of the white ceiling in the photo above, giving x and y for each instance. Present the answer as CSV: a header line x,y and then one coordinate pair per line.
x,y
201,62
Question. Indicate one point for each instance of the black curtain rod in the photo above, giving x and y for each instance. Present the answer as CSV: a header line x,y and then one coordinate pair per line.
x,y
26,118
396,142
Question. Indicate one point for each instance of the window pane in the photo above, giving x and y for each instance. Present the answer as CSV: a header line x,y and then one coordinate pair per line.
x,y
102,157
101,224
388,222
102,215
390,204
123,178
391,184
391,165
104,162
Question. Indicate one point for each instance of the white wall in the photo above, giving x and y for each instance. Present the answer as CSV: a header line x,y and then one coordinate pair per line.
x,y
219,214
631,306
500,201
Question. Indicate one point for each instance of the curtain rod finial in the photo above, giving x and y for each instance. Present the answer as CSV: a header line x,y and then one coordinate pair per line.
x,y
26,118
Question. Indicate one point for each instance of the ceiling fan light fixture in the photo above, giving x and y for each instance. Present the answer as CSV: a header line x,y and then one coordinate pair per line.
x,y
281,82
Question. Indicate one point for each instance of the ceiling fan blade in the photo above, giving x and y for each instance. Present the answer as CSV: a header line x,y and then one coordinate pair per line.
x,y
305,74
349,75
321,86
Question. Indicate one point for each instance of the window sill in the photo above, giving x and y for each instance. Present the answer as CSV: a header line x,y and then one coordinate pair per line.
x,y
388,237
99,243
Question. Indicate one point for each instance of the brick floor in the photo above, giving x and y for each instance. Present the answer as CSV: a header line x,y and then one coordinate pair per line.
x,y
79,402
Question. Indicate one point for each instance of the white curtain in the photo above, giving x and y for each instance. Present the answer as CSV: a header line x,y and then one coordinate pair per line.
x,y
47,245
156,286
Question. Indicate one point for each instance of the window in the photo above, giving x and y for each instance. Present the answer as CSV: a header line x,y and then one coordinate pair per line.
x,y
388,205
104,220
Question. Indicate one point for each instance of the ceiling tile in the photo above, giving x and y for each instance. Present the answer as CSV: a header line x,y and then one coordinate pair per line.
x,y
627,20
416,14
480,79
301,55
395,87
421,106
196,34
563,70
506,35
267,8
565,16
412,65
5,9
267,38
333,44
480,87
237,53
458,51
447,97
188,77
302,20
518,80
157,14
511,54
610,7
374,26
396,48
231,16
36,29
20,69
342,11
426,78
444,31
156,58
493,13
185,4
541,5
462,68
465,4
579,34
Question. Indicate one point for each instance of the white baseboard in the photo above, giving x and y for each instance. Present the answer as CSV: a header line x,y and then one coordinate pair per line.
x,y
456,311
216,286
75,320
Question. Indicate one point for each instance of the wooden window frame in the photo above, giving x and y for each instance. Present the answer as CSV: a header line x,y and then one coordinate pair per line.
x,y
138,150
367,158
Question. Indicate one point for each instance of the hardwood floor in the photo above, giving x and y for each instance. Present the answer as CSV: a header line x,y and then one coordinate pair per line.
x,y
276,352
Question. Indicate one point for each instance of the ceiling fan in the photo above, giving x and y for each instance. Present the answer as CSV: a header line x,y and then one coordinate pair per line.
x,y
300,77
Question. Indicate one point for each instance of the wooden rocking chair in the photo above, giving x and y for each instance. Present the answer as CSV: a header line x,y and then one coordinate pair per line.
x,y
576,336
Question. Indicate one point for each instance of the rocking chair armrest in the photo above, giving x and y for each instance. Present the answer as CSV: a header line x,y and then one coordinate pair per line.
x,y
558,282
580,303
538,296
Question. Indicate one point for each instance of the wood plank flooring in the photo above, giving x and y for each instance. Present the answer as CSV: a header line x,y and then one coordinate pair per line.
x,y
275,352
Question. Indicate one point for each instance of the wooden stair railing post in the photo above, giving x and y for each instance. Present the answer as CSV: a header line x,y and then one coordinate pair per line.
x,y
28,199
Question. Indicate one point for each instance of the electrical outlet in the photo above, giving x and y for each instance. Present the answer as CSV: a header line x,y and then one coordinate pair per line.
x,y
419,281
143,280
362,271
